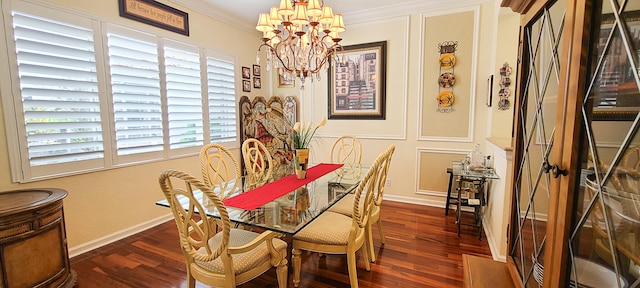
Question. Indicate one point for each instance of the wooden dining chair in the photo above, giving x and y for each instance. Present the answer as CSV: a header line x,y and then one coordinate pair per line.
x,y
257,162
219,169
347,150
335,233
344,206
216,254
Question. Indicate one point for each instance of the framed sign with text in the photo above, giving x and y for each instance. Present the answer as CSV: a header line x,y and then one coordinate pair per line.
x,y
155,14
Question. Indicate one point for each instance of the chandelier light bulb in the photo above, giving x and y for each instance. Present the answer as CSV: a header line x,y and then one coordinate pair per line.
x,y
300,15
285,8
274,17
314,9
264,24
338,24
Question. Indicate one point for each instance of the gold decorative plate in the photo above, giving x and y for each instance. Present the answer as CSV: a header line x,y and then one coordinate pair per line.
x,y
445,99
447,60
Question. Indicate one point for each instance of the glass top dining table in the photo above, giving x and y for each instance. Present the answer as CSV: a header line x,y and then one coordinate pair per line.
x,y
291,212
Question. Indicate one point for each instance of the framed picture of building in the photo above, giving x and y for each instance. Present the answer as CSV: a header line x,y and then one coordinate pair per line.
x,y
357,86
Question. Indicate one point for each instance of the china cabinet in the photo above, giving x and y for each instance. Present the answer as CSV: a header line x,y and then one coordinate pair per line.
x,y
576,177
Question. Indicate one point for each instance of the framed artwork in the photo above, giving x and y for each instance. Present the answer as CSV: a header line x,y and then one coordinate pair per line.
x,y
246,85
489,90
256,70
283,82
256,83
246,73
357,87
616,97
155,14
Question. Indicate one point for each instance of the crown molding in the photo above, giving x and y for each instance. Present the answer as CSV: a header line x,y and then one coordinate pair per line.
x,y
355,17
211,11
407,8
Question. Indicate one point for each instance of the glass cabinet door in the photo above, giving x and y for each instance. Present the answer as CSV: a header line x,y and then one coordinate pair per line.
x,y
536,121
605,234
576,192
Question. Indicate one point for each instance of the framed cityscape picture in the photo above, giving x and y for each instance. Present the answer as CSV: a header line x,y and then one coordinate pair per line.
x,y
357,87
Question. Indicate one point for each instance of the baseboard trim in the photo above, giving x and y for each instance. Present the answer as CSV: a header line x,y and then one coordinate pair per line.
x,y
411,200
493,245
97,243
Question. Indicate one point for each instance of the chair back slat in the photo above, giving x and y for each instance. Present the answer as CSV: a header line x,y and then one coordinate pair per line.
x,y
365,192
194,226
257,161
347,150
219,169
382,178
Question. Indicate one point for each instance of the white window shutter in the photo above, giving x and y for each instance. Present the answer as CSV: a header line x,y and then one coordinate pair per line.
x,y
184,95
59,90
135,86
222,100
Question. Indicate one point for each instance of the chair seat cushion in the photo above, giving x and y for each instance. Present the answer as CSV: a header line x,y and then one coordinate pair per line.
x,y
242,262
330,228
344,206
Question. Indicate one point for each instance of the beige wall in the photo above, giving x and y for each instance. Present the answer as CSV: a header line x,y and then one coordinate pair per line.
x,y
104,205
459,28
506,48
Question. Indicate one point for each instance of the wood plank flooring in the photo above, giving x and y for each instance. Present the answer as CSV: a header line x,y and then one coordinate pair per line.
x,y
422,249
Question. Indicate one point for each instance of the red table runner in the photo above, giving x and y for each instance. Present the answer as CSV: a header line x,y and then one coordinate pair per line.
x,y
257,197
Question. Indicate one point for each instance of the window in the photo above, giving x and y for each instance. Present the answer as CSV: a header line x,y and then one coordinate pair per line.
x,y
135,90
58,92
89,104
222,100
184,95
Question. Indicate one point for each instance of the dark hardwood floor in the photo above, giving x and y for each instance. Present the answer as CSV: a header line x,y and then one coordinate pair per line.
x,y
421,250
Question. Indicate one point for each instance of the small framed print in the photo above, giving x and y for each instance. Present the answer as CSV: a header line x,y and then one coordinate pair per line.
x,y
256,83
246,73
285,82
246,85
256,70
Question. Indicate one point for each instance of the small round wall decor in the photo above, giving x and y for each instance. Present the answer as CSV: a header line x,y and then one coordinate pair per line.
x,y
446,80
445,101
447,60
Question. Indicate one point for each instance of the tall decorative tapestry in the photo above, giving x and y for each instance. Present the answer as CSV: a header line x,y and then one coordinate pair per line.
x,y
271,123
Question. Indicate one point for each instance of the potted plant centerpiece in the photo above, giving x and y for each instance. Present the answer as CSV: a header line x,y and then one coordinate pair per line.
x,y
302,136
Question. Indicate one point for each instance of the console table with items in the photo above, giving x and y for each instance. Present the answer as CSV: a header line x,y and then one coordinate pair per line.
x,y
469,192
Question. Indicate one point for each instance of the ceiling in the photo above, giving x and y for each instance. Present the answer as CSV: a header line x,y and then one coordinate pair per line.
x,y
244,13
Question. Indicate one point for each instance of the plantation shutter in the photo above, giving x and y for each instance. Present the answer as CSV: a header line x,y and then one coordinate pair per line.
x,y
222,100
135,85
59,90
184,95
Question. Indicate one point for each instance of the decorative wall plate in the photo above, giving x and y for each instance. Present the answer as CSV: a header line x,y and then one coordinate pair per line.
x,y
446,80
505,70
505,81
445,99
504,92
447,60
503,104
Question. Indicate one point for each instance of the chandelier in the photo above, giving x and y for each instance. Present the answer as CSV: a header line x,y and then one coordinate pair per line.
x,y
291,34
